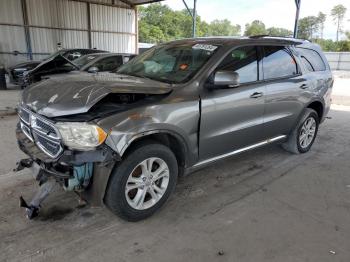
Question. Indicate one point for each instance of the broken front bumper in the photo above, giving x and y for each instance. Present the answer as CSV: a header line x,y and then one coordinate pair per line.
x,y
102,154
71,167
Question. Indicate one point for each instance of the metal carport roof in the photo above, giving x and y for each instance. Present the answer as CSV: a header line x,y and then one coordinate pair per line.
x,y
139,2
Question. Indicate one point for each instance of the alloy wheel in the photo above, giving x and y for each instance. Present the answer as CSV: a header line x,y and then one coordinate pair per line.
x,y
147,183
307,132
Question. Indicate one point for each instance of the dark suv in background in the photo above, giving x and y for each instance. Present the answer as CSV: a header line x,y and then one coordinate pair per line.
x,y
51,64
123,139
92,63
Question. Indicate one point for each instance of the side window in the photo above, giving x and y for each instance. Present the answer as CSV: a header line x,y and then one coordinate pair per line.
x,y
278,62
311,59
73,55
244,61
307,64
109,63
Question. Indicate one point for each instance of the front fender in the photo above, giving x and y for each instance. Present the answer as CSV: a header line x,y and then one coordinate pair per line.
x,y
179,119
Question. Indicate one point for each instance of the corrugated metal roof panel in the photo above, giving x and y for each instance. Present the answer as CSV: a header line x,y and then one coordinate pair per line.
x,y
57,13
118,43
10,60
142,2
110,2
11,12
45,40
107,18
12,38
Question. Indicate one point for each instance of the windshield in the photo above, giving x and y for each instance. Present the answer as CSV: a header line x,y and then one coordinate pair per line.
x,y
61,52
169,63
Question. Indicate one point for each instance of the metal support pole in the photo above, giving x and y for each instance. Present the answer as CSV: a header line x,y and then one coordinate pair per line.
x,y
26,29
88,9
194,22
297,4
193,14
2,78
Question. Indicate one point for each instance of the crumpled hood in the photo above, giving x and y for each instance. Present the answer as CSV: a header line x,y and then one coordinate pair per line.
x,y
68,95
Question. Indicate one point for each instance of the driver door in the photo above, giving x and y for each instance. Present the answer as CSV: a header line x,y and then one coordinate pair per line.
x,y
233,117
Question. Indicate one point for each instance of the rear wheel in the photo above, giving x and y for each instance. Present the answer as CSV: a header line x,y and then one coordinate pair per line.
x,y
304,134
142,182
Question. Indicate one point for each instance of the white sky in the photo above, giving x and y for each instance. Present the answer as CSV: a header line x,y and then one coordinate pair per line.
x,y
277,13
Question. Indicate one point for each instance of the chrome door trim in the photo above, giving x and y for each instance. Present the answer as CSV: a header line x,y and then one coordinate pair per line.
x,y
265,142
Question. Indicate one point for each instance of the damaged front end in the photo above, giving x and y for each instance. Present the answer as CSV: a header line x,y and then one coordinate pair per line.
x,y
58,130
52,162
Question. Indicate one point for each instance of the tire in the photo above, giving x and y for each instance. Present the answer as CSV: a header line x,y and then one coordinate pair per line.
x,y
294,144
130,173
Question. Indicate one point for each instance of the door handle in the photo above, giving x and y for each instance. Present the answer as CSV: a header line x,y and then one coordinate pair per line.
x,y
256,95
304,86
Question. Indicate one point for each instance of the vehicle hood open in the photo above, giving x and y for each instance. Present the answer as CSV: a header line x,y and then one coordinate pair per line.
x,y
28,65
76,94
52,63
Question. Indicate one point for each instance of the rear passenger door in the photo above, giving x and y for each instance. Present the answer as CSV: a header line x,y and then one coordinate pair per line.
x,y
284,90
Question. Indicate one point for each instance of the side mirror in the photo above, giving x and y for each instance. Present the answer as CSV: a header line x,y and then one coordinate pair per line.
x,y
226,78
93,69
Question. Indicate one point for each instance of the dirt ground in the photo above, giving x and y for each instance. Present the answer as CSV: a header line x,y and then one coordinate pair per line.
x,y
264,205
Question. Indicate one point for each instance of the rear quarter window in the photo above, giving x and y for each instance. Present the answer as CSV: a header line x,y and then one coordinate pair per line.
x,y
278,63
311,59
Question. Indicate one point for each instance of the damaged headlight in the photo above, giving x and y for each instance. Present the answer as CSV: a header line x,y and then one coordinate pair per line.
x,y
81,136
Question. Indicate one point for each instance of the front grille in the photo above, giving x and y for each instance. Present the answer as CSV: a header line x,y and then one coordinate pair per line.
x,y
47,128
24,115
44,127
41,131
26,131
50,147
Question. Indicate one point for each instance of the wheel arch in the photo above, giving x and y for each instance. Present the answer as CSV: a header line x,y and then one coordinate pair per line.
x,y
318,106
174,141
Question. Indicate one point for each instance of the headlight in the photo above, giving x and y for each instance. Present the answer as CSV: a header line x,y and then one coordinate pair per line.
x,y
81,136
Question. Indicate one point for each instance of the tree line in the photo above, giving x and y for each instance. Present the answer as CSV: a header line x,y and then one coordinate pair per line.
x,y
159,23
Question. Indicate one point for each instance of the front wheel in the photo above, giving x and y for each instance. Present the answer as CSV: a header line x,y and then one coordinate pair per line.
x,y
303,136
142,182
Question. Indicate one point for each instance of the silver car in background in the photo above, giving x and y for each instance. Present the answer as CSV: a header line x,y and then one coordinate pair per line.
x,y
123,139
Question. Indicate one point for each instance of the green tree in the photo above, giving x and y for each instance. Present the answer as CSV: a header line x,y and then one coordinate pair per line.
x,y
321,19
277,31
223,28
347,33
307,27
255,28
158,23
338,14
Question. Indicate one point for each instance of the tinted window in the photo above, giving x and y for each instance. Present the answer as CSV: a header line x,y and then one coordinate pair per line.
x,y
278,63
307,64
244,61
80,62
109,63
311,59
73,55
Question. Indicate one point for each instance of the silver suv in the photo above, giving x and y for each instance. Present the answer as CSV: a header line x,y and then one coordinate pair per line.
x,y
122,139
